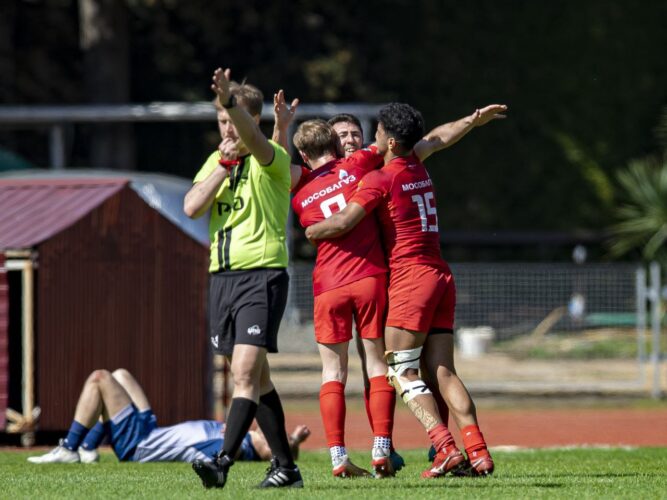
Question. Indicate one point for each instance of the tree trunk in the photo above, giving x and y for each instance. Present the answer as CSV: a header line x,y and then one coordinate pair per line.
x,y
104,39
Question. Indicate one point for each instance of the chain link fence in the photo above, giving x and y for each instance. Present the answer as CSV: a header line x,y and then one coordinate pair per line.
x,y
533,328
514,299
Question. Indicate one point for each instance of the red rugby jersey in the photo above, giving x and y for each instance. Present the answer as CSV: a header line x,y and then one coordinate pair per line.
x,y
403,194
325,191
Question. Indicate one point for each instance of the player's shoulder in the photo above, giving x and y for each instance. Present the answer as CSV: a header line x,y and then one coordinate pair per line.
x,y
304,179
279,164
312,176
404,165
369,149
280,152
377,178
208,166
365,155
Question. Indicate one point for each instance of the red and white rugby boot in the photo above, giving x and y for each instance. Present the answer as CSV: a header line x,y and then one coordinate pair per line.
x,y
446,462
381,463
344,468
481,463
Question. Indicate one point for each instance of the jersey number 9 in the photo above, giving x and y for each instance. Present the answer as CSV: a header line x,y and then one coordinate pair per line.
x,y
326,205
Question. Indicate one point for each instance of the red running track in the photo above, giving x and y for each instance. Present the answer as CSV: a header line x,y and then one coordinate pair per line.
x,y
532,428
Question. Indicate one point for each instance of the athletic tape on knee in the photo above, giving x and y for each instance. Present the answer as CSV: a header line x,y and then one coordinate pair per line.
x,y
410,390
400,361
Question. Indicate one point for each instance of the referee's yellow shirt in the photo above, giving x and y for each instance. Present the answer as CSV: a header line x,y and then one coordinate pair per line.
x,y
249,213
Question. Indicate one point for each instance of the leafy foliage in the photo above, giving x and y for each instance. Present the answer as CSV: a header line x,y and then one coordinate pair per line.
x,y
583,81
643,214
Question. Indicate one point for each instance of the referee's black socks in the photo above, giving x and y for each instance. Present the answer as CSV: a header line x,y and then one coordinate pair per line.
x,y
241,414
271,419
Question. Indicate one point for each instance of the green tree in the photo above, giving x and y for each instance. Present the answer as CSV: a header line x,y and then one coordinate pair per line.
x,y
643,214
582,80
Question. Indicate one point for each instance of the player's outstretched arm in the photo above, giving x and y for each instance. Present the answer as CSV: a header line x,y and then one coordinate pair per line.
x,y
283,115
450,133
247,128
338,224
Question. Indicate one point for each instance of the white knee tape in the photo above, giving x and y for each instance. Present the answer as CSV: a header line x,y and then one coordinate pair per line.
x,y
399,361
410,390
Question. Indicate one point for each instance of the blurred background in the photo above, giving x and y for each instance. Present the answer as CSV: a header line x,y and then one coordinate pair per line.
x,y
586,84
549,218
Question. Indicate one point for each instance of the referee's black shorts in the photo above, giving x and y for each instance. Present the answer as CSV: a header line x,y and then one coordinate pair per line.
x,y
246,307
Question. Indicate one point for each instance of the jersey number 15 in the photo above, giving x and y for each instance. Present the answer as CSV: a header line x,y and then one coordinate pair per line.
x,y
425,207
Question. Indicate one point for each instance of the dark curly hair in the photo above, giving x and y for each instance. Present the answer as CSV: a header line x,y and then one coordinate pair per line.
x,y
344,117
402,122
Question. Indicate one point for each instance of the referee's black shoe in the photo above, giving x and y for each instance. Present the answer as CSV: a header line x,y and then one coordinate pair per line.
x,y
213,474
282,477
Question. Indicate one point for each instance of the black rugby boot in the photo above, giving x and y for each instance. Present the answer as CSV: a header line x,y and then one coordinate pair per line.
x,y
213,474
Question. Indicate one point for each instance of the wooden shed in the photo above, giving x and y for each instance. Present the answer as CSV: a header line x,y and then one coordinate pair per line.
x,y
100,271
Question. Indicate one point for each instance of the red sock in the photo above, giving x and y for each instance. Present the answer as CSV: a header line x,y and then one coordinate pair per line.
x,y
367,404
332,408
473,441
441,438
382,404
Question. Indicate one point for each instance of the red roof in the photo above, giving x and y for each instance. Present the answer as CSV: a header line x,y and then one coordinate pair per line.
x,y
33,210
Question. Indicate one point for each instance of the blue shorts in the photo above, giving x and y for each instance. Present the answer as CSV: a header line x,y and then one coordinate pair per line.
x,y
247,451
127,428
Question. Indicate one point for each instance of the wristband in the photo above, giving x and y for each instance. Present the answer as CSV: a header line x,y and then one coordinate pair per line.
x,y
228,164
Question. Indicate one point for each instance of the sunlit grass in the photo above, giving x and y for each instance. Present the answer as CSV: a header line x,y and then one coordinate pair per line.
x,y
574,473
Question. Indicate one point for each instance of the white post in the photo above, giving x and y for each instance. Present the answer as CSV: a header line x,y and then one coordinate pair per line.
x,y
641,321
28,349
654,297
291,311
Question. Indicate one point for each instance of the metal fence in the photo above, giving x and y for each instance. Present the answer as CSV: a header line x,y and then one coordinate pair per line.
x,y
538,328
515,299
55,118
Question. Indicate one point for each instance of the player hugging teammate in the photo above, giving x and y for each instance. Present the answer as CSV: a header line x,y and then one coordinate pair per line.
x,y
422,297
332,201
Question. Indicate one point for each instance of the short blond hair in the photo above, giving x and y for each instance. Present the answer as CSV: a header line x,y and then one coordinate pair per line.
x,y
248,96
315,138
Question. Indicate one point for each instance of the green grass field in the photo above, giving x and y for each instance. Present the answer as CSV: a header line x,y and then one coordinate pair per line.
x,y
572,473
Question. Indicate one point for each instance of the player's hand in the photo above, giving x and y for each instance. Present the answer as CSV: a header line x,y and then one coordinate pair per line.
x,y
485,115
283,113
308,234
229,149
220,85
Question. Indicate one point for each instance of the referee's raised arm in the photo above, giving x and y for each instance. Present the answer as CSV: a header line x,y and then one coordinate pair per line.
x,y
247,126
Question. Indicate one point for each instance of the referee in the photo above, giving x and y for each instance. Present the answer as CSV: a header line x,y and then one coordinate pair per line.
x,y
245,186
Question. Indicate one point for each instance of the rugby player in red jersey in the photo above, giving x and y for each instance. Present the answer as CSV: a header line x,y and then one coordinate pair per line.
x,y
351,139
421,288
349,282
